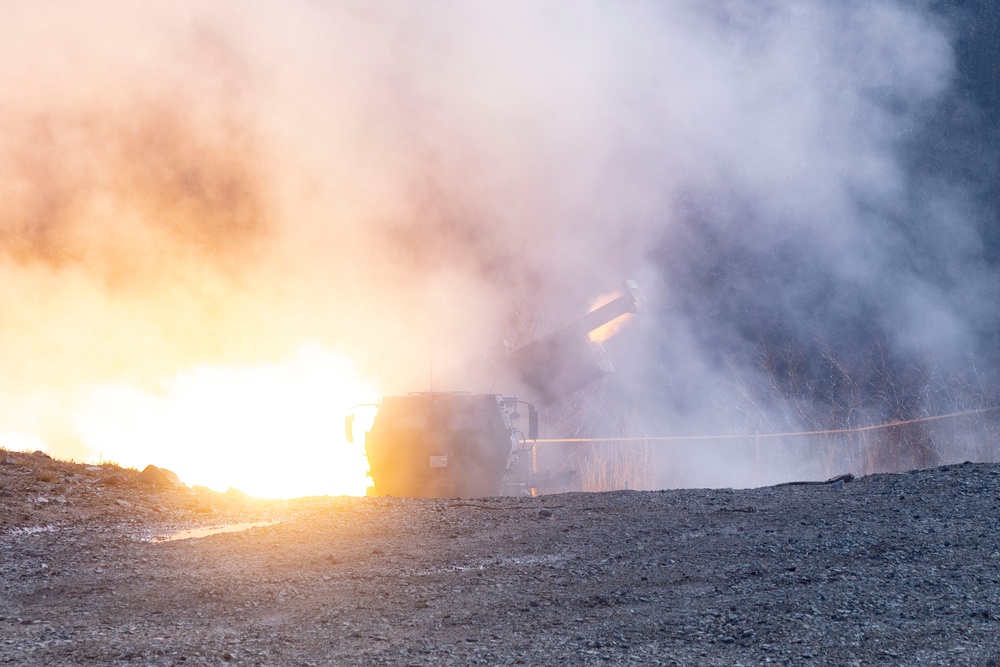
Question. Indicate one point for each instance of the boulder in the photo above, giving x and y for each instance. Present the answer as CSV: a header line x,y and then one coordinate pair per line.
x,y
159,477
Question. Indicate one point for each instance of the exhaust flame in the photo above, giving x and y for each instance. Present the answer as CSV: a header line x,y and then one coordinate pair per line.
x,y
606,331
273,431
22,442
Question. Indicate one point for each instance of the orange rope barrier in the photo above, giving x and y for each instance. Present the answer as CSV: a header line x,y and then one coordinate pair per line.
x,y
736,436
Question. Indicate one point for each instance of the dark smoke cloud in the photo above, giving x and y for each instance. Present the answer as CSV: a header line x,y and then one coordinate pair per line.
x,y
224,181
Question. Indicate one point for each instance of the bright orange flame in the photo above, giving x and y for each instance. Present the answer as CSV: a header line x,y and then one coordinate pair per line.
x,y
272,431
602,333
22,442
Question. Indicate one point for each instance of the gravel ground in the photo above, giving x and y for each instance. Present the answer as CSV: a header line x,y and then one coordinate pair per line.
x,y
899,569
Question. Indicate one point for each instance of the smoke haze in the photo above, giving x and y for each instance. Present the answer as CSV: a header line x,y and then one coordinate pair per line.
x,y
225,182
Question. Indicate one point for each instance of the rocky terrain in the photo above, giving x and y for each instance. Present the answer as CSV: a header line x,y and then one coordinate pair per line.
x,y
899,569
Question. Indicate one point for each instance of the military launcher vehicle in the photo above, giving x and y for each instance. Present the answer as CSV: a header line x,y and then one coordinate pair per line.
x,y
467,445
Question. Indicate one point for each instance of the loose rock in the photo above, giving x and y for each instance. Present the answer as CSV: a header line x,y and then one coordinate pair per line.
x,y
689,577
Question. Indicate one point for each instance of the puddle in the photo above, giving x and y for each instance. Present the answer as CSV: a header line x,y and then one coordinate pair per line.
x,y
551,560
30,530
195,533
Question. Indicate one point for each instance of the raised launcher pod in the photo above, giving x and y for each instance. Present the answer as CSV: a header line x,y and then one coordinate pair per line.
x,y
558,364
447,445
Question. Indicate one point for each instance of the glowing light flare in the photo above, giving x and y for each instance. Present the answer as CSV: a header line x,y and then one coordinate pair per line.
x,y
22,442
271,430
606,331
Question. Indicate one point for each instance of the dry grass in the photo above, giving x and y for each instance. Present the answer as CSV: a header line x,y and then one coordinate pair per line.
x,y
48,476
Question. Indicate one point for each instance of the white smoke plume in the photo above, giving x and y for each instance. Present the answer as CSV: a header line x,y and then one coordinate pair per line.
x,y
222,182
